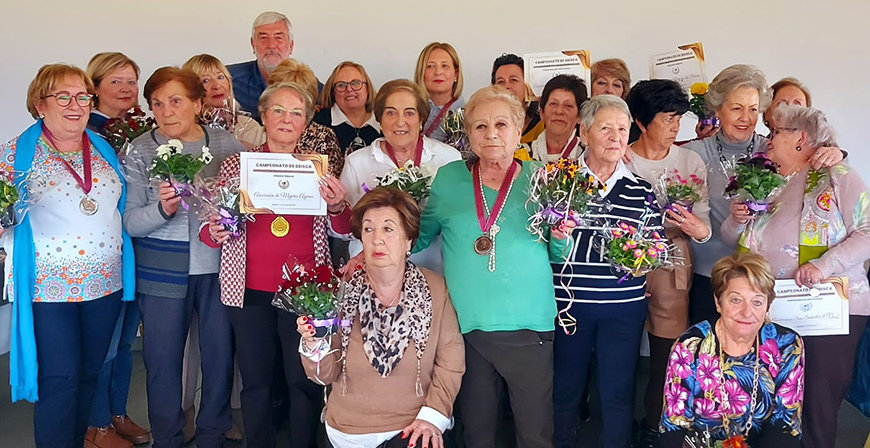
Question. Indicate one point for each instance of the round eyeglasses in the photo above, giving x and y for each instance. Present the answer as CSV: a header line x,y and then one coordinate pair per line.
x,y
356,85
64,99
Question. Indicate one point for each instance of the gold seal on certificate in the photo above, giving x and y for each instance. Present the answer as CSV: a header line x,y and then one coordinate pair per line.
x,y
281,184
818,311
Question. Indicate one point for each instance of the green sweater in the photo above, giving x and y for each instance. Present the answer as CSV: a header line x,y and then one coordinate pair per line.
x,y
519,294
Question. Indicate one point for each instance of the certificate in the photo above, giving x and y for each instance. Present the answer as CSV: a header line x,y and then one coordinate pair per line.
x,y
818,311
684,65
542,67
281,184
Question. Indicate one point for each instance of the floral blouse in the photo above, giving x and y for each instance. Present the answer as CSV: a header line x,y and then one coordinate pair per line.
x,y
697,393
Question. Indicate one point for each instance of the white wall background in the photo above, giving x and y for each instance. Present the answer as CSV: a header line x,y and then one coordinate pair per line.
x,y
823,43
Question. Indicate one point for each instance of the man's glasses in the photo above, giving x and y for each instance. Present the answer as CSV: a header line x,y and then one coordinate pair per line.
x,y
64,99
356,85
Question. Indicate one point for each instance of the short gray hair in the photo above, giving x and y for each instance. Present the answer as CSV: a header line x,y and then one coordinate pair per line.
x,y
733,78
807,119
303,93
270,17
596,104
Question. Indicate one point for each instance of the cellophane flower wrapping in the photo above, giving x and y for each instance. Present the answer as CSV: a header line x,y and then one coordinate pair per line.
x,y
121,131
558,191
454,127
171,165
226,117
315,292
414,180
672,188
755,180
221,197
634,251
19,192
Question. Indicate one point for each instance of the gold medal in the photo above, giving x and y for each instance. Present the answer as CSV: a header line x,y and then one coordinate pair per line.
x,y
482,245
280,227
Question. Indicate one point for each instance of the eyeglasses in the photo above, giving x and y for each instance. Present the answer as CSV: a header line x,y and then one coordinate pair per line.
x,y
776,131
356,85
280,112
64,99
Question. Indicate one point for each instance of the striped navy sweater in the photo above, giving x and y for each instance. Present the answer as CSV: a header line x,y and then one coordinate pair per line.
x,y
595,289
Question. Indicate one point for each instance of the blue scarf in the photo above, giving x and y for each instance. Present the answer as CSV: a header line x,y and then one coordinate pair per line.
x,y
22,359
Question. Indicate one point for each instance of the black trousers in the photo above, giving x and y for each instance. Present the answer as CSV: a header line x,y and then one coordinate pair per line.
x,y
259,328
702,304
522,359
829,362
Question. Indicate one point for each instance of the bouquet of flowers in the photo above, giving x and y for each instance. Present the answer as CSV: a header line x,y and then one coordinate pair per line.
x,y
8,199
222,199
454,127
698,106
559,191
120,132
414,180
674,189
756,181
170,165
635,251
315,292
18,193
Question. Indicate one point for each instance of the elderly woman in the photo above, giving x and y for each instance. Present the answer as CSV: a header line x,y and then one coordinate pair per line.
x,y
219,100
178,274
610,77
399,107
601,312
66,300
250,273
440,73
478,207
788,91
820,228
116,83
380,397
739,376
560,111
316,137
738,95
657,106
508,72
347,102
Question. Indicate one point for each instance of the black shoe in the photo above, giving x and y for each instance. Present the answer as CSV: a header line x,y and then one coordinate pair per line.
x,y
646,437
584,413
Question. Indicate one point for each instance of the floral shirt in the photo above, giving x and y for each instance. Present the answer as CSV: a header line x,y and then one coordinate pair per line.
x,y
78,256
697,393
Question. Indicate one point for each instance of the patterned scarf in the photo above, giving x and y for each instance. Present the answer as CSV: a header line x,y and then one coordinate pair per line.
x,y
387,332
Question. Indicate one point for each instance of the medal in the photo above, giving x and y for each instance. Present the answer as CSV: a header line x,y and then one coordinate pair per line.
x,y
280,227
482,245
88,206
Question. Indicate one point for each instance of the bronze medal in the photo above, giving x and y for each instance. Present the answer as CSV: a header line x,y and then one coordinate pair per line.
x,y
280,227
483,245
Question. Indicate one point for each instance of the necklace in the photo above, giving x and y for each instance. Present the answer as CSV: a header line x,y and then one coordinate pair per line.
x,y
723,162
726,421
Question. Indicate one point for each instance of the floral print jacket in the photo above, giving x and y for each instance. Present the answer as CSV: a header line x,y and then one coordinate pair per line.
x,y
698,390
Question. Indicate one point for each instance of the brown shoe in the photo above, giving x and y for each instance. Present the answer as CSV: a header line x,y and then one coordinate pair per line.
x,y
105,438
189,424
129,430
237,432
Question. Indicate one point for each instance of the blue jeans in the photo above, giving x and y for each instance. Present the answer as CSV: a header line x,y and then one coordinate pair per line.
x,y
165,323
114,384
72,340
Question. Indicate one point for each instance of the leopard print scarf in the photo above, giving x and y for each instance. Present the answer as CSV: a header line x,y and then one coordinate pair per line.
x,y
387,332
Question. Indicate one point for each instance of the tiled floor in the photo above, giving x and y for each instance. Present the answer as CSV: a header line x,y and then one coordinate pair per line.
x,y
16,420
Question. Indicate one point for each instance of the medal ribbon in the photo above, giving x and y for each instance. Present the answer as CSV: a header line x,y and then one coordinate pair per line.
x,y
437,121
486,224
567,151
418,153
88,180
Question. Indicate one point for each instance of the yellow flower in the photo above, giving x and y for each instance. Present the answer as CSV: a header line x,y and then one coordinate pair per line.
x,y
561,164
699,88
